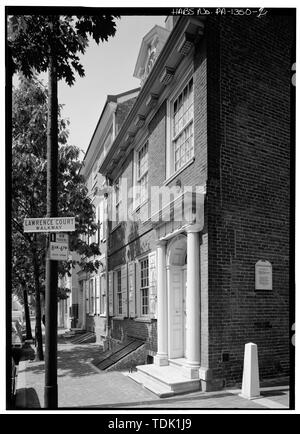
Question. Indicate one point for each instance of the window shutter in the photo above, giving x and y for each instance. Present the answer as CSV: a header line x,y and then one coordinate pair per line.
x,y
138,288
131,289
94,294
111,293
97,295
124,290
91,310
103,293
152,285
87,296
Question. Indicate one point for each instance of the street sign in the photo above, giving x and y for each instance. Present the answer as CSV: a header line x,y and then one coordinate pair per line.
x,y
62,237
49,224
59,237
59,251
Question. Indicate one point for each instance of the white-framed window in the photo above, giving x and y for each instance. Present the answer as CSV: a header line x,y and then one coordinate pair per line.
x,y
119,302
181,127
144,286
117,203
182,130
142,173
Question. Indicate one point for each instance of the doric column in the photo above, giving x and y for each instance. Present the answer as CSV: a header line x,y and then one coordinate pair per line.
x,y
193,297
161,357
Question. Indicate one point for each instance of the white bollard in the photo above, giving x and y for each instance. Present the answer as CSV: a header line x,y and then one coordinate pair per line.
x,y
250,387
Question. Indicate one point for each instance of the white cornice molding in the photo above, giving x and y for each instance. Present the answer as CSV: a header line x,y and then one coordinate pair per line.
x,y
170,57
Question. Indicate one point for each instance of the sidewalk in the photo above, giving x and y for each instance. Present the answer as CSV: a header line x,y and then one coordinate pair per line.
x,y
82,385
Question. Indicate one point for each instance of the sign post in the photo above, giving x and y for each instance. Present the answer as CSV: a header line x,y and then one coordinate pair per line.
x,y
58,250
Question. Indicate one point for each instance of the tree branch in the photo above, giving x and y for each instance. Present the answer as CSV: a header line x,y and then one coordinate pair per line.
x,y
21,231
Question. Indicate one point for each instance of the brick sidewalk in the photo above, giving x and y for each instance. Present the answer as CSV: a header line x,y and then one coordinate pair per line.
x,y
81,385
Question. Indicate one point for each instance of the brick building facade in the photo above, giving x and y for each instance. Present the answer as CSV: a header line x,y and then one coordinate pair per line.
x,y
209,134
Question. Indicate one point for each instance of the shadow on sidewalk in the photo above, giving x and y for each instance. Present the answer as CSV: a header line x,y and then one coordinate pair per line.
x,y
72,362
27,398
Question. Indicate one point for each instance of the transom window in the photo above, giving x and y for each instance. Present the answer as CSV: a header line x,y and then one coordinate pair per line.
x,y
144,286
142,175
119,293
182,126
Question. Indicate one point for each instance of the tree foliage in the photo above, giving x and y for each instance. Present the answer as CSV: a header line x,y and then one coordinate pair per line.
x,y
31,36
29,172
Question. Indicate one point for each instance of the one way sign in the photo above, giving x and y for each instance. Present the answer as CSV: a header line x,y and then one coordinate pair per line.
x,y
59,251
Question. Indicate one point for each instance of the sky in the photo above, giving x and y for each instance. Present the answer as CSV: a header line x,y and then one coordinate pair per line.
x,y
109,70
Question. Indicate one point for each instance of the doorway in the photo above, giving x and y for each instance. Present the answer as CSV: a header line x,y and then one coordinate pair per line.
x,y
176,282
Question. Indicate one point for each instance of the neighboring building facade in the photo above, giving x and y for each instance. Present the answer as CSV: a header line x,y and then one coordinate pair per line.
x,y
198,231
92,310
68,308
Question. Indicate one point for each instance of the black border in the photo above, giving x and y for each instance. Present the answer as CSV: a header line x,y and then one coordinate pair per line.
x,y
142,11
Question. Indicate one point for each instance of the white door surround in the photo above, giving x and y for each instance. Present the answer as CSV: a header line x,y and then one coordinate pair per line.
x,y
176,258
178,319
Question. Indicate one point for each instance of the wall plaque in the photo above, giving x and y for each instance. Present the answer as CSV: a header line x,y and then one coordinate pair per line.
x,y
263,275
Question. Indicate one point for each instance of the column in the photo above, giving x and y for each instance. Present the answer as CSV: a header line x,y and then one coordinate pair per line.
x,y
161,358
193,297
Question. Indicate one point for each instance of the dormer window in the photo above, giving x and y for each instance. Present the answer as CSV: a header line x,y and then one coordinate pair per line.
x,y
151,46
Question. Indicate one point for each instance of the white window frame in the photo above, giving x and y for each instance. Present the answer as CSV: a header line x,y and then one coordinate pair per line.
x,y
170,151
140,199
137,203
117,203
143,287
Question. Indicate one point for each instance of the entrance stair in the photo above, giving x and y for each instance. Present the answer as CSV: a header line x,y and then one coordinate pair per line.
x,y
165,381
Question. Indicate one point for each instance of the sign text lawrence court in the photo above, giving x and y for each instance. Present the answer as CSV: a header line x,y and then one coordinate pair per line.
x,y
49,224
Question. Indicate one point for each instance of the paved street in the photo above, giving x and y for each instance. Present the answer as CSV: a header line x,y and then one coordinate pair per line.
x,y
81,385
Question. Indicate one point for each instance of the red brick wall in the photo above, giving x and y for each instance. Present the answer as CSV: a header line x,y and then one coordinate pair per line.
x,y
147,331
248,70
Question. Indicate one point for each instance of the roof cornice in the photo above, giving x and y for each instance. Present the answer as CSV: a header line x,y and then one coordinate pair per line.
x,y
139,108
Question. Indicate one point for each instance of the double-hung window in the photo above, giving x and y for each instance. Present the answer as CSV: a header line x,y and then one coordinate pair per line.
x,y
142,173
182,128
144,276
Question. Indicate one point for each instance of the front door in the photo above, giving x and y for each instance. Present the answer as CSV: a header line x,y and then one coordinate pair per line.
x,y
176,312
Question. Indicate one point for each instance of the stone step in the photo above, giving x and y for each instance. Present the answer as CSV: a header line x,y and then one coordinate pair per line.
x,y
171,377
177,363
155,387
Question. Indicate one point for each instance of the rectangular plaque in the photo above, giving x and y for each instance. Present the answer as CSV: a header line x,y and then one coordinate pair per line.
x,y
59,251
263,276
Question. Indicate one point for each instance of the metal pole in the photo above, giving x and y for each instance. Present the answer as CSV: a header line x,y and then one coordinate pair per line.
x,y
50,391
